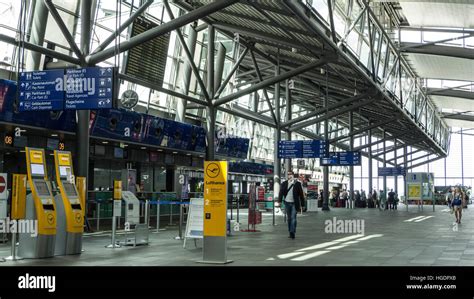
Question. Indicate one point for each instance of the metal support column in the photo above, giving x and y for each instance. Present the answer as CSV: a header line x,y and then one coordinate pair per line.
x,y
277,138
370,161
181,103
210,110
351,168
405,165
221,50
38,30
83,116
287,118
396,165
384,178
325,206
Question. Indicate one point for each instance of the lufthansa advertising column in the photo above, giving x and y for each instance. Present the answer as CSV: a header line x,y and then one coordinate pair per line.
x,y
215,212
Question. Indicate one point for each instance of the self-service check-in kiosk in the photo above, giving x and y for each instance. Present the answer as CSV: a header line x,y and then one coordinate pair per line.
x,y
132,220
40,208
69,208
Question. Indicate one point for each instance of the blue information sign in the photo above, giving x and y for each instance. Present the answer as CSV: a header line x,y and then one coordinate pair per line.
x,y
332,159
89,88
391,171
86,88
41,90
341,159
311,149
289,149
323,148
292,149
349,158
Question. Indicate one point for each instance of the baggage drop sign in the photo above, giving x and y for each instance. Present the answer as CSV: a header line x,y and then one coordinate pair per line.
x,y
215,198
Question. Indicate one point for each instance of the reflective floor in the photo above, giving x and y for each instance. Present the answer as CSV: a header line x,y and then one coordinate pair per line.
x,y
378,238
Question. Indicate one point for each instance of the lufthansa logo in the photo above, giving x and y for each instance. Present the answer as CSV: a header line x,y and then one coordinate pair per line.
x,y
50,219
78,217
213,170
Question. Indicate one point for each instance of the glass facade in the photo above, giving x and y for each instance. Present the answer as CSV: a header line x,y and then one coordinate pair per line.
x,y
351,24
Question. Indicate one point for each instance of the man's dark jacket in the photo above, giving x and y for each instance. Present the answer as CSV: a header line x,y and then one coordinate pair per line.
x,y
298,194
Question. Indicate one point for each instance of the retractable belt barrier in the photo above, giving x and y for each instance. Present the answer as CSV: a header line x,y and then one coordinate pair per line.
x,y
168,202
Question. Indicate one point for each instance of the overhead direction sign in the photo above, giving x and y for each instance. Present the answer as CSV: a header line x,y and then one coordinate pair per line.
x,y
292,149
76,89
89,88
391,171
350,158
41,90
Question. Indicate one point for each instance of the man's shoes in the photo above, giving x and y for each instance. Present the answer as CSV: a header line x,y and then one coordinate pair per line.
x,y
292,236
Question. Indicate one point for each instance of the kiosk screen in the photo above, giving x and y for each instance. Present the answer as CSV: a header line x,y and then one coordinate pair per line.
x,y
63,171
37,169
69,189
42,188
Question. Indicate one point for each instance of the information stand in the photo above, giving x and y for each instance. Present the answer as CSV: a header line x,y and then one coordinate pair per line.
x,y
195,221
215,211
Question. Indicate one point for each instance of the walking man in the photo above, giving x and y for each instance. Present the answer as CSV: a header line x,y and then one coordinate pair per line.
x,y
292,192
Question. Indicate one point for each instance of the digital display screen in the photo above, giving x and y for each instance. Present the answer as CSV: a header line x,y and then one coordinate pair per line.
x,y
37,169
20,141
99,150
42,188
169,159
69,189
118,153
52,144
63,171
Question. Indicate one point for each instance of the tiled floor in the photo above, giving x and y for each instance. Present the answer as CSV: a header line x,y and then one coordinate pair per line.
x,y
391,238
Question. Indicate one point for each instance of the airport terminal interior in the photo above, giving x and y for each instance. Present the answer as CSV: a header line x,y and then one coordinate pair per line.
x,y
171,133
